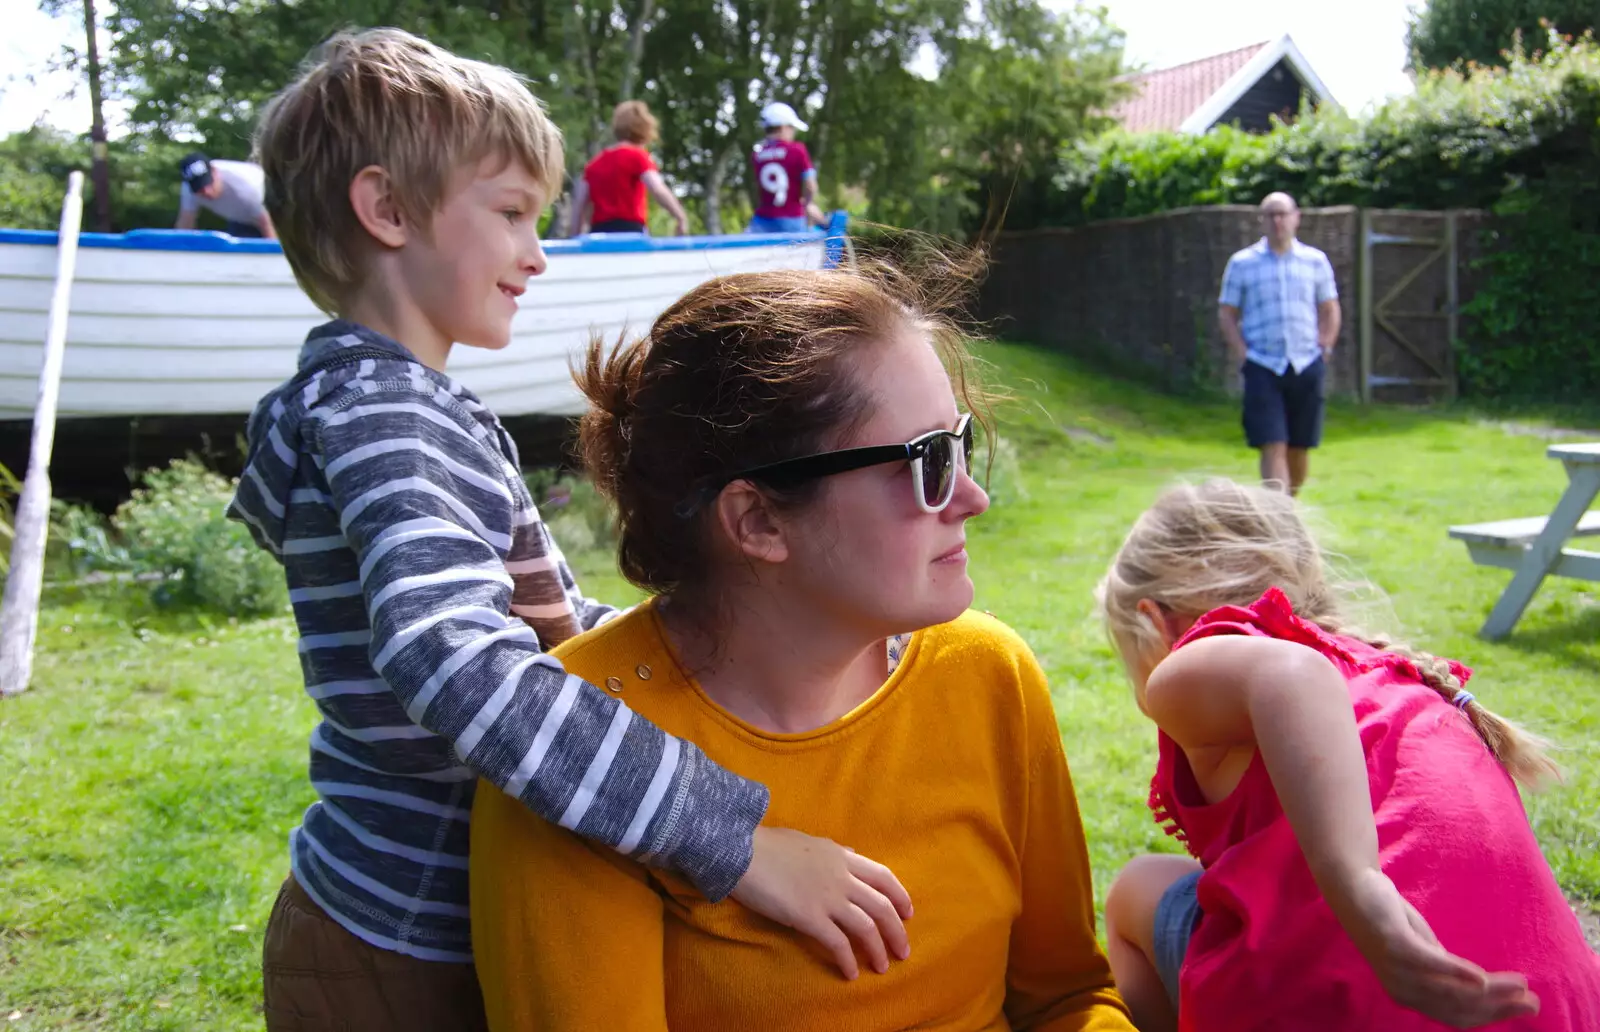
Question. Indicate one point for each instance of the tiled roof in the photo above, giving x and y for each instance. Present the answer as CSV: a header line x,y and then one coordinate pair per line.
x,y
1163,99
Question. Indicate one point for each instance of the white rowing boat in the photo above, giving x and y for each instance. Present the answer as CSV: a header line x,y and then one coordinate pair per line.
x,y
169,323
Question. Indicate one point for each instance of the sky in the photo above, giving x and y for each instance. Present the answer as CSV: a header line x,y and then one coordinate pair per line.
x,y
29,90
1356,46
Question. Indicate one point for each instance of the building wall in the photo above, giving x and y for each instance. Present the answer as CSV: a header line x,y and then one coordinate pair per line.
x,y
1279,92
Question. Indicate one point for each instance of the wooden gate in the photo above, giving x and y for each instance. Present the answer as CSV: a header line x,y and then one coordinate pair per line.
x,y
1408,300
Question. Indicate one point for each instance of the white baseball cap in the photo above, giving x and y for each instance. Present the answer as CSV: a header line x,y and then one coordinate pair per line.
x,y
778,113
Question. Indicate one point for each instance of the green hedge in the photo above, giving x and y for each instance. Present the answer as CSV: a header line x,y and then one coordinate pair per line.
x,y
1521,141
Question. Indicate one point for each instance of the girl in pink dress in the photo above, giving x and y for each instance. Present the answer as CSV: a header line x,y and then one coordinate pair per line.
x,y
1361,856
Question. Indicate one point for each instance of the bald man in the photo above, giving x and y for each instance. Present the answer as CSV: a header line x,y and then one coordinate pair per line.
x,y
1279,313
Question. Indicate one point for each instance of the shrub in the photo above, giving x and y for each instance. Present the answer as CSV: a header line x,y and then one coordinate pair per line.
x,y
578,518
10,486
1522,141
175,525
1461,141
77,539
82,542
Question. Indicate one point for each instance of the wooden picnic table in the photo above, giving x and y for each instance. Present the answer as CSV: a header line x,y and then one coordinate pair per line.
x,y
1535,547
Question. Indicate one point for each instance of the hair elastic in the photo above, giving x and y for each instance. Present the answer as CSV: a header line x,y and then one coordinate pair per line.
x,y
1462,698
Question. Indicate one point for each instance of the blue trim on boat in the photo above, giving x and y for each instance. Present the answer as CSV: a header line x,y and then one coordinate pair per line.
x,y
833,248
603,243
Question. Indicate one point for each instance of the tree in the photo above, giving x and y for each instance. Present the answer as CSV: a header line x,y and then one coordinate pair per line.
x,y
1455,33
1014,82
1033,80
99,215
33,176
709,66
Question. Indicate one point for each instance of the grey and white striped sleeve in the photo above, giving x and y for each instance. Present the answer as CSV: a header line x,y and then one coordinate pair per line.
x,y
428,512
589,612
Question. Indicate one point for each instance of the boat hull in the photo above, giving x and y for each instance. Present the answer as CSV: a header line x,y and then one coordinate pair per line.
x,y
196,325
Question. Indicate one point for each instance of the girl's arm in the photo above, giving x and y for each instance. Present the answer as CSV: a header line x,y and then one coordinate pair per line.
x,y
1289,702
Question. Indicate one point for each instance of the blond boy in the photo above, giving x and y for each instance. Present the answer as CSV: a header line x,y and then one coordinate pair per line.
x,y
406,184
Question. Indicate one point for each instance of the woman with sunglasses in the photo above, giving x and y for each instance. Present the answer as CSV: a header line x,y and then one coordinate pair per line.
x,y
791,472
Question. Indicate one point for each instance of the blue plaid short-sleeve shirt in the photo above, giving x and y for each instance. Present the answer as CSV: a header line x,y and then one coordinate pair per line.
x,y
1277,297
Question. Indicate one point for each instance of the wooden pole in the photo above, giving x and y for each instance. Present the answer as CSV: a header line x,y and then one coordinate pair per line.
x,y
1364,305
19,610
1452,287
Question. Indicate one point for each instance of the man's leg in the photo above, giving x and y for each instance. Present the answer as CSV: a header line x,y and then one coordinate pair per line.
x,y
1275,468
1266,425
1303,407
1298,459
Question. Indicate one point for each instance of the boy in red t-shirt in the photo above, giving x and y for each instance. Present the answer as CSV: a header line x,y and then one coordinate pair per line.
x,y
785,178
611,192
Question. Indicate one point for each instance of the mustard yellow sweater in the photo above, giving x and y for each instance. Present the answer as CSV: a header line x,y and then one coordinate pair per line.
x,y
952,774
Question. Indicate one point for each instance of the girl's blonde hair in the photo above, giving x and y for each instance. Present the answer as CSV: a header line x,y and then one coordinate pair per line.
x,y
1220,543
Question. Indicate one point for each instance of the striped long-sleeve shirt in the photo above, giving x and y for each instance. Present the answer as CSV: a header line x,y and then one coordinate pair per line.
x,y
425,590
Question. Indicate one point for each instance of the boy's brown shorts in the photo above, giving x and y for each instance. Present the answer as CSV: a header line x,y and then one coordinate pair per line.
x,y
317,977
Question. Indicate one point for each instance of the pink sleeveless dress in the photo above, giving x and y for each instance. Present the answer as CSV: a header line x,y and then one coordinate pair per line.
x,y
1452,836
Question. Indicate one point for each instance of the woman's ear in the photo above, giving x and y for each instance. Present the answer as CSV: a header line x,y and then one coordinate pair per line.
x,y
372,200
745,517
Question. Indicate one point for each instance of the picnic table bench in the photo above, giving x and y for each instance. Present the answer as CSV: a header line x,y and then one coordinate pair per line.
x,y
1535,547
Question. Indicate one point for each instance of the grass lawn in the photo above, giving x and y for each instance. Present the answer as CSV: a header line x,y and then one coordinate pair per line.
x,y
154,772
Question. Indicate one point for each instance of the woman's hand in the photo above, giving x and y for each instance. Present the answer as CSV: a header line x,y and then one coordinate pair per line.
x,y
830,893
1419,973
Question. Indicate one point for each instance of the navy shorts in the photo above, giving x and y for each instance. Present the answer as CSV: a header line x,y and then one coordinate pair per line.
x,y
1176,914
1283,409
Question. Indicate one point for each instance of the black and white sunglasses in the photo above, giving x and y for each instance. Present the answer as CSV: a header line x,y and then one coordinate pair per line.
x,y
935,458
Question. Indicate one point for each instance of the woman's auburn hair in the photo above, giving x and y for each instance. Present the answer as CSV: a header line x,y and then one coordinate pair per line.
x,y
746,370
